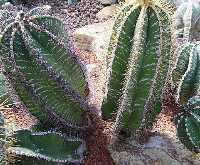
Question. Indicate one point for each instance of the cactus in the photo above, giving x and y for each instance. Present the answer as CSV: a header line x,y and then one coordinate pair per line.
x,y
49,146
39,65
188,124
139,54
185,73
47,78
186,79
187,22
3,2
29,146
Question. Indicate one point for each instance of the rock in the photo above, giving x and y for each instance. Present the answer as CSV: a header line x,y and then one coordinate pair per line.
x,y
107,12
107,2
159,150
94,38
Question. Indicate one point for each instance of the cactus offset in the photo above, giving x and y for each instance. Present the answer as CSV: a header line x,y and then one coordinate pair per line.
x,y
139,54
49,146
186,78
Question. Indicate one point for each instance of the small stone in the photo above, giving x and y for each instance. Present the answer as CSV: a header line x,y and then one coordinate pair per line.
x,y
107,2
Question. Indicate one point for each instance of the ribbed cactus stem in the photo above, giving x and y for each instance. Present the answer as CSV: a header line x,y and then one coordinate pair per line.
x,y
186,78
138,42
138,59
38,63
50,82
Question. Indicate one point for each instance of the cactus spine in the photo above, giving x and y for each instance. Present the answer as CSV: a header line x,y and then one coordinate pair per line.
x,y
138,59
186,78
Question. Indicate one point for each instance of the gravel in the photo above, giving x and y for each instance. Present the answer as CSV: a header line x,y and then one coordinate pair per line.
x,y
75,16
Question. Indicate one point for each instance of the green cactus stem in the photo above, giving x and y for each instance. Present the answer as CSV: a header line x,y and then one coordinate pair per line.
x,y
49,146
186,72
186,79
188,124
186,21
138,59
46,76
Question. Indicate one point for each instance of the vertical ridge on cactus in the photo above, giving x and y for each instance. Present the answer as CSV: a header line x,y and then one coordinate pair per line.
x,y
140,52
120,64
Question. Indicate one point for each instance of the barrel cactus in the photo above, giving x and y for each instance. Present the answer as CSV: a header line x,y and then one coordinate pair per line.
x,y
138,59
186,78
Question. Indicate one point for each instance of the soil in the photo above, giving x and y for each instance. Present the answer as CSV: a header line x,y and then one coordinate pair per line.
x,y
97,141
74,16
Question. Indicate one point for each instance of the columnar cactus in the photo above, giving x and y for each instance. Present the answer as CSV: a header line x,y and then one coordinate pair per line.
x,y
138,59
186,78
187,21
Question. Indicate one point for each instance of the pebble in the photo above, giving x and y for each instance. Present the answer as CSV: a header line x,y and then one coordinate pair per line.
x,y
75,16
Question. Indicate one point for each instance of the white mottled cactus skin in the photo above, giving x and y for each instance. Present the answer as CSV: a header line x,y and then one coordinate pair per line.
x,y
187,21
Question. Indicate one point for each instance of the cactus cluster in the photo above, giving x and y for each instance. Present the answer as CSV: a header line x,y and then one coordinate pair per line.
x,y
186,78
186,73
50,81
138,60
